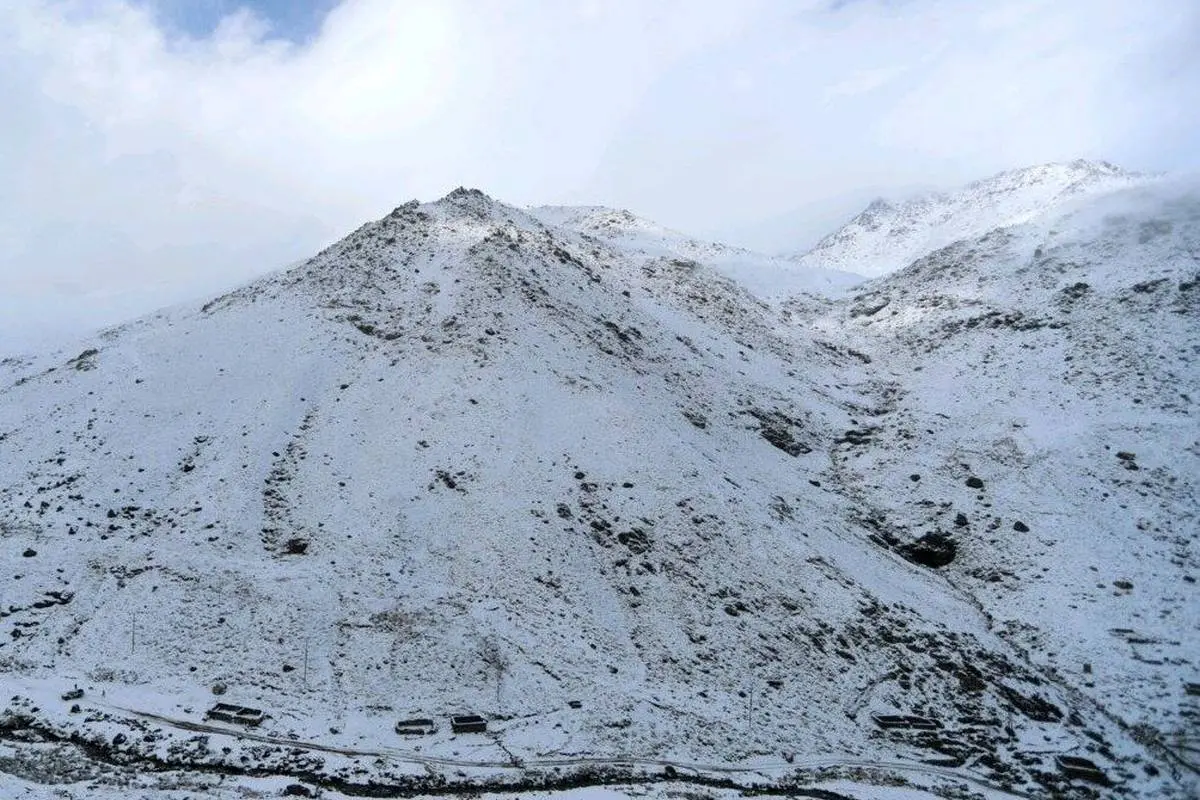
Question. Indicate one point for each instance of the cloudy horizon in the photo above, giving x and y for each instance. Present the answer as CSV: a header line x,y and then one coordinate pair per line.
x,y
158,150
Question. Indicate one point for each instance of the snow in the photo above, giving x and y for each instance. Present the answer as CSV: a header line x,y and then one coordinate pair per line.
x,y
888,236
1039,407
767,277
474,459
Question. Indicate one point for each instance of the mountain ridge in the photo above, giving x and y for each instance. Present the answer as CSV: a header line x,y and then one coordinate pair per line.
x,y
466,459
887,236
771,278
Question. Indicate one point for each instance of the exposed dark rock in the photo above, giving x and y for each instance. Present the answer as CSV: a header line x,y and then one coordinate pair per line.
x,y
975,483
448,480
1034,707
869,310
1076,291
1012,320
780,430
1020,527
863,357
86,360
856,436
783,439
970,679
1145,287
636,540
296,547
934,550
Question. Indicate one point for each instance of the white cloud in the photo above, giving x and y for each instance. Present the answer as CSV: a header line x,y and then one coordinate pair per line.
x,y
863,81
142,167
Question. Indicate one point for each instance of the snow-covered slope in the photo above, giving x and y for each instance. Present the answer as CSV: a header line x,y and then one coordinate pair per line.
x,y
1058,362
768,277
887,236
472,459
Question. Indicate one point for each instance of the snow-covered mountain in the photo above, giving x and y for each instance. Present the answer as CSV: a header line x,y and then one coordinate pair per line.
x,y
478,459
887,236
768,277
1059,362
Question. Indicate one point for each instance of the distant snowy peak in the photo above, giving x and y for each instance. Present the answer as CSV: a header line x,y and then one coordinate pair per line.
x,y
888,236
765,276
638,234
600,220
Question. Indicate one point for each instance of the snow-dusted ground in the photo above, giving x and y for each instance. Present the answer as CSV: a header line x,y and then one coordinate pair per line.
x,y
220,789
767,277
1058,361
888,236
474,459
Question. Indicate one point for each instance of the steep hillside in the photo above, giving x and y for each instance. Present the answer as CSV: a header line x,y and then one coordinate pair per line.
x,y
888,236
470,459
1058,363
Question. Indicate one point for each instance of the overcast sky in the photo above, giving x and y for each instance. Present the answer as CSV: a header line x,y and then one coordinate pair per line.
x,y
156,150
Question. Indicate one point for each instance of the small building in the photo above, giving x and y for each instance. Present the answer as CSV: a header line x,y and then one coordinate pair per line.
x,y
468,723
74,694
1081,768
905,722
415,727
240,715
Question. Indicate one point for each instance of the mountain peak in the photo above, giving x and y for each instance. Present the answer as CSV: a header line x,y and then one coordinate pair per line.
x,y
1055,172
888,236
472,202
464,194
1101,166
